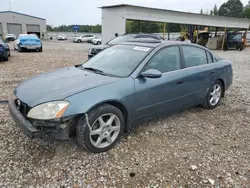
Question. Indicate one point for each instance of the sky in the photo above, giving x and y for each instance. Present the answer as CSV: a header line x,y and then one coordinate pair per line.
x,y
82,12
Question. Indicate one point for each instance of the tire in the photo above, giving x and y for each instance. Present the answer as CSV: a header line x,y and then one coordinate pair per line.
x,y
83,131
6,58
78,41
217,97
9,53
241,47
19,49
41,49
98,43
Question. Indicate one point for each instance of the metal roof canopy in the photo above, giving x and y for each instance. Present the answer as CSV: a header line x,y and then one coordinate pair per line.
x,y
114,18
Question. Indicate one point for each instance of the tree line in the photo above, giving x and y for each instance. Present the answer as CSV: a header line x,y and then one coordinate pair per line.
x,y
82,28
231,8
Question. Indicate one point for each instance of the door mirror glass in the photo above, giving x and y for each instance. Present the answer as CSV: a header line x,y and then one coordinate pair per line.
x,y
151,73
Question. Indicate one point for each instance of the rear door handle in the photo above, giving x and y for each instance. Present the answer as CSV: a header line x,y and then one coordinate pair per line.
x,y
180,82
212,72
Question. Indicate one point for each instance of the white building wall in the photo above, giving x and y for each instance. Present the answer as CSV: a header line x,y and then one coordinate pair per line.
x,y
113,21
11,17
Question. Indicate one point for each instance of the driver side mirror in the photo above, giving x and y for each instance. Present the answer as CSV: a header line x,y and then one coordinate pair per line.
x,y
151,73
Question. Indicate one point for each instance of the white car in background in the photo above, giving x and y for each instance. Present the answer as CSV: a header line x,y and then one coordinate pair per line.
x,y
83,38
62,37
10,37
97,40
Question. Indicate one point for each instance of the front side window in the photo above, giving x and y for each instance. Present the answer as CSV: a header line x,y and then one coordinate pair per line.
x,y
118,60
166,60
194,56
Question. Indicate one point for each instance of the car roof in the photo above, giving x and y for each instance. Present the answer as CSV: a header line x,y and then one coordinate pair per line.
x,y
153,43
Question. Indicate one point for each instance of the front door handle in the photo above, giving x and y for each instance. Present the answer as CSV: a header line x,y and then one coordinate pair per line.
x,y
180,82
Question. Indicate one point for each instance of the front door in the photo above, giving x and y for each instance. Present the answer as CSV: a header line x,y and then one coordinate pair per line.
x,y
164,94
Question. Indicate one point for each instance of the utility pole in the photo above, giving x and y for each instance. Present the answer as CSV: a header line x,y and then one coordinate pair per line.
x,y
9,5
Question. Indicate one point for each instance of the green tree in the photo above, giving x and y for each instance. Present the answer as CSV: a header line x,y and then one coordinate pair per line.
x,y
211,13
232,8
49,28
215,10
246,13
223,10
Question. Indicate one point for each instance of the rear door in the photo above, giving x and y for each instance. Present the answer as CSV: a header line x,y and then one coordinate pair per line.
x,y
200,70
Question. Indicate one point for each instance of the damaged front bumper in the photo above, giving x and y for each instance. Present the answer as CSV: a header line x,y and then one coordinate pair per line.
x,y
59,129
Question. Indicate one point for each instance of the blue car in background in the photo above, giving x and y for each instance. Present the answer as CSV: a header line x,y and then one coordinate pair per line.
x,y
4,50
28,42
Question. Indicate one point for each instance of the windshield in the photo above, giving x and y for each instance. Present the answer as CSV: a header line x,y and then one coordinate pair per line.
x,y
119,60
234,36
120,39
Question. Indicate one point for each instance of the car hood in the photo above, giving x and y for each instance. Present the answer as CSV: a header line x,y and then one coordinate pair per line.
x,y
59,84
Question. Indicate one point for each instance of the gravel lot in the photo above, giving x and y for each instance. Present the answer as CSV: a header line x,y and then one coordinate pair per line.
x,y
195,148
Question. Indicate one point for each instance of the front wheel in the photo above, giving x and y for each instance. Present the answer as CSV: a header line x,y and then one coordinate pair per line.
x,y
214,95
105,127
78,41
19,49
98,43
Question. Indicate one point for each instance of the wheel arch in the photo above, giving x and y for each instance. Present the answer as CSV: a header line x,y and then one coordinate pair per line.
x,y
117,104
223,86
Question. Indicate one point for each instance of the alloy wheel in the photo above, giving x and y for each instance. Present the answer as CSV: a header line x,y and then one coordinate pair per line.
x,y
215,95
105,130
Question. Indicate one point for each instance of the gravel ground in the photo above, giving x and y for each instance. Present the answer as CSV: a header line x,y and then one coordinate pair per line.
x,y
195,148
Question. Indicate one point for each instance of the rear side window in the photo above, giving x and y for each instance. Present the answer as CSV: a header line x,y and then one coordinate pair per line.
x,y
194,56
209,57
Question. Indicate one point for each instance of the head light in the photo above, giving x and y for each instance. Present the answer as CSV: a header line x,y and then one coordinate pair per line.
x,y
50,110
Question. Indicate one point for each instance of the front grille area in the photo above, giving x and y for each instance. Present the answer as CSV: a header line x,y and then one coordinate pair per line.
x,y
22,107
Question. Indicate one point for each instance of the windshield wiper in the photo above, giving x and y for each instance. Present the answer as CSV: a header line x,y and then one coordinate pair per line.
x,y
97,71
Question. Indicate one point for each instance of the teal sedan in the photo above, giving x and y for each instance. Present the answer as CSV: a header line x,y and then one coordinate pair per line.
x,y
124,85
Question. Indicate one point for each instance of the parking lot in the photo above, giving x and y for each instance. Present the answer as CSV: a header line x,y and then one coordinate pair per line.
x,y
194,148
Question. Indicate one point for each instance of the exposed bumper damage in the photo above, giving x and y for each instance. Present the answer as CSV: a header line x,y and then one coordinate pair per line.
x,y
60,129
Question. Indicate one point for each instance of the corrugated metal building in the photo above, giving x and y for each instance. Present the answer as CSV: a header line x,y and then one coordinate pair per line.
x,y
18,23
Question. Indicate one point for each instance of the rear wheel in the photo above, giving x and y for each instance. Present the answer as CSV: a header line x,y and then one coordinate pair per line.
x,y
214,95
106,126
241,47
78,41
6,58
98,43
41,49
